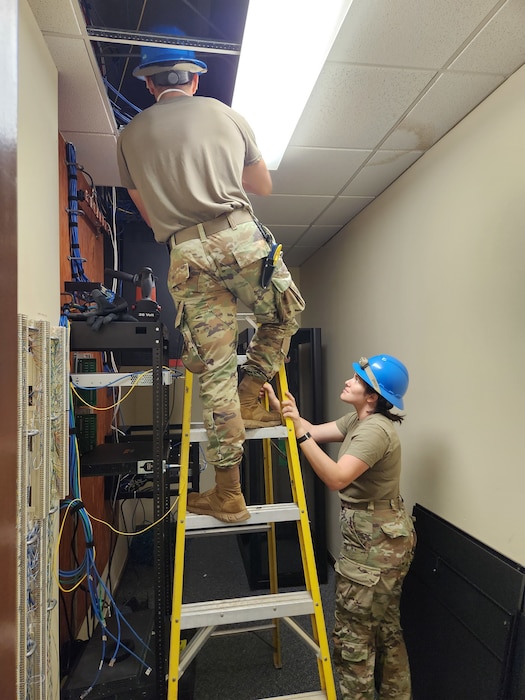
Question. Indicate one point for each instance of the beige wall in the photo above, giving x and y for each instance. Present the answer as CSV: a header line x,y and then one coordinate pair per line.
x,y
434,272
38,235
38,294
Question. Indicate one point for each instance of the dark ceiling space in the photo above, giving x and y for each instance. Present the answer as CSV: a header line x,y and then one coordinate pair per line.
x,y
215,27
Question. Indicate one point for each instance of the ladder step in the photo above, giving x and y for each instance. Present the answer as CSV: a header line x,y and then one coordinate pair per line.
x,y
248,609
260,515
315,695
198,433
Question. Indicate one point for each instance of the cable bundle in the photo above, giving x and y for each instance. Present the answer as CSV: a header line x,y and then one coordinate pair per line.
x,y
99,594
77,268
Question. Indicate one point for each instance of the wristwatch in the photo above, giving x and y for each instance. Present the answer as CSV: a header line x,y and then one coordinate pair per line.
x,y
303,438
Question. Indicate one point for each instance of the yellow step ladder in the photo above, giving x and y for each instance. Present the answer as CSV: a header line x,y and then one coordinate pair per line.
x,y
205,617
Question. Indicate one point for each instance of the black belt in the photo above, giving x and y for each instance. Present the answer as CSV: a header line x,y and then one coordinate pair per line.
x,y
386,504
221,223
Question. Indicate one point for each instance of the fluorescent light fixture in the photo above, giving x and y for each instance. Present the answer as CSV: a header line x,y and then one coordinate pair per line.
x,y
284,47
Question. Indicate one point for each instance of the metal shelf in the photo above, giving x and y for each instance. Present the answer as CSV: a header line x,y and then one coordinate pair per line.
x,y
152,337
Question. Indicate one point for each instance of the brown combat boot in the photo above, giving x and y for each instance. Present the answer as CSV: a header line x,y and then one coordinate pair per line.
x,y
224,502
253,412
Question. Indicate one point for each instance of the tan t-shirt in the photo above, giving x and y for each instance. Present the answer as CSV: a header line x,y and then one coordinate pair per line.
x,y
185,156
375,441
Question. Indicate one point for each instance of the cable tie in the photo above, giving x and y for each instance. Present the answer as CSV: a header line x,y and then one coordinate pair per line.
x,y
90,544
77,505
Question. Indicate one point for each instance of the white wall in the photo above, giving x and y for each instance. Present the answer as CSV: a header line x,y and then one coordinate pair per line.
x,y
37,162
38,293
434,272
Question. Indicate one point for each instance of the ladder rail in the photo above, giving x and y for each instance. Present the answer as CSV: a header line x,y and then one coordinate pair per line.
x,y
272,547
180,534
307,549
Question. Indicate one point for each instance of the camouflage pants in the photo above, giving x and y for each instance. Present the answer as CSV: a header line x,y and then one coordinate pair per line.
x,y
206,279
369,650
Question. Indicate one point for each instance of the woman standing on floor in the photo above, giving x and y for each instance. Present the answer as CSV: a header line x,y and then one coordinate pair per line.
x,y
378,537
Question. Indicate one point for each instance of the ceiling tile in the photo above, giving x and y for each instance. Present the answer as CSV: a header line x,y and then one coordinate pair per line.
x,y
405,33
382,169
59,16
288,209
299,170
83,104
342,210
299,255
318,235
451,97
505,29
97,154
353,106
288,235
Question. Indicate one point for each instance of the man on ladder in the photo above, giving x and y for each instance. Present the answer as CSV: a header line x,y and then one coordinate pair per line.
x,y
188,163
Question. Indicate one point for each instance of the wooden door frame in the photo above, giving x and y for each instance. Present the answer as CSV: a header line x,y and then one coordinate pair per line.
x,y
9,351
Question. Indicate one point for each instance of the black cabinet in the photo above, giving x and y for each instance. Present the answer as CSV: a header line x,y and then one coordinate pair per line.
x,y
463,617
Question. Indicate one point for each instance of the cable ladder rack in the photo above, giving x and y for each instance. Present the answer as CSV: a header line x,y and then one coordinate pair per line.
x,y
206,617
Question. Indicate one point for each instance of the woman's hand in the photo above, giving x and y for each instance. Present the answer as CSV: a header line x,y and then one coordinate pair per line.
x,y
289,410
273,401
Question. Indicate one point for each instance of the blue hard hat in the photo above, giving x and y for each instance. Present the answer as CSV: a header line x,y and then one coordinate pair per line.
x,y
386,375
157,59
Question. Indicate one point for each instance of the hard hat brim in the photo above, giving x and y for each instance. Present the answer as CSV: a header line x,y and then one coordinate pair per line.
x,y
147,69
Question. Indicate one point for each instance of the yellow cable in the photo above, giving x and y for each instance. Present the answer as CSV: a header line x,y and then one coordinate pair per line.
x,y
57,547
138,532
117,403
123,398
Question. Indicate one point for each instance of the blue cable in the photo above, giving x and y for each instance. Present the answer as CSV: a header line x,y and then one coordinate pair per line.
x,y
121,96
77,268
87,569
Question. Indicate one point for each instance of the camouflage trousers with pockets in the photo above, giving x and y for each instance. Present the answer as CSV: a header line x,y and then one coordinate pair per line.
x,y
369,650
207,278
